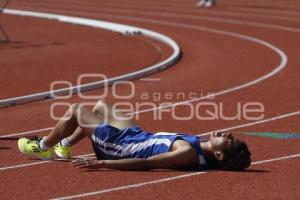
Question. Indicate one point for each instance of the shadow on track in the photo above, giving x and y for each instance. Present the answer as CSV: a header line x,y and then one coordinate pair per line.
x,y
9,138
24,45
4,148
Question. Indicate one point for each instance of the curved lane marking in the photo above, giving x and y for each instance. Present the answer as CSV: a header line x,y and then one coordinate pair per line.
x,y
170,178
186,175
120,28
208,18
278,117
169,8
190,16
277,69
282,55
234,13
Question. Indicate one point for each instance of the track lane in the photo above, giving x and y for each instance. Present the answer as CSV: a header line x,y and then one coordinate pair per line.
x,y
68,51
205,71
232,185
264,90
169,8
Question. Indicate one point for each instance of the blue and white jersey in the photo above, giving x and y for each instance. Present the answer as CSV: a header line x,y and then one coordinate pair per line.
x,y
110,143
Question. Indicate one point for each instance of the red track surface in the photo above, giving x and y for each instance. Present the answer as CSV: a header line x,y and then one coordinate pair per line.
x,y
210,63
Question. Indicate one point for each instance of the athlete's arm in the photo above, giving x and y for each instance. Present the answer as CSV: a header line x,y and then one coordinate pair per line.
x,y
181,158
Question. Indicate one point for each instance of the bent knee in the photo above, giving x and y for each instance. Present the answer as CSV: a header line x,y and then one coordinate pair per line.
x,y
100,107
74,106
75,109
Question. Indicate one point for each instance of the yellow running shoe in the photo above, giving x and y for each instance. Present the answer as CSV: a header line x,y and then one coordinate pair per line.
x,y
62,151
32,147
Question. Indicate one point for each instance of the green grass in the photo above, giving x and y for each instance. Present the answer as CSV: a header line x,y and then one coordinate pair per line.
x,y
273,135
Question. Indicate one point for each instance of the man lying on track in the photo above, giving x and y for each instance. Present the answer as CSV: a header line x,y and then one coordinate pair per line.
x,y
119,144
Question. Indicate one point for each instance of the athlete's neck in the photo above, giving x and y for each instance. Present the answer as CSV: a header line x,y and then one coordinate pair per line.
x,y
206,148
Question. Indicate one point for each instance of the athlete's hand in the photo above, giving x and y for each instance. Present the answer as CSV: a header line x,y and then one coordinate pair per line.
x,y
86,163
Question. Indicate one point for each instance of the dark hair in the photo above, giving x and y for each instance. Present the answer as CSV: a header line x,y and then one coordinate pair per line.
x,y
237,157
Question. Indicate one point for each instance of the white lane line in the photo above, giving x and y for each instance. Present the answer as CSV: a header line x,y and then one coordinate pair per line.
x,y
172,178
27,132
120,28
126,187
137,185
281,66
276,70
24,165
241,14
150,79
272,12
206,18
276,159
38,163
230,128
169,9
255,123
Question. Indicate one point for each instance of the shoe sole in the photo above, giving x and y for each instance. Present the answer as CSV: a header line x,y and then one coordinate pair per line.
x,y
21,149
61,155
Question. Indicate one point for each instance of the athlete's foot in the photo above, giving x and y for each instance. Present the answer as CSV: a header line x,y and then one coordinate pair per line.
x,y
31,147
62,151
209,4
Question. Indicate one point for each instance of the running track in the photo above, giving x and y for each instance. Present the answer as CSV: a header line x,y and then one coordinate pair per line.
x,y
242,51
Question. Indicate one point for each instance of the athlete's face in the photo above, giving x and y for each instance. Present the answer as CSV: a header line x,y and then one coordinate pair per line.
x,y
221,140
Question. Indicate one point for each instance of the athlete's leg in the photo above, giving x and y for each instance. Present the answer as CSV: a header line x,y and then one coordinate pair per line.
x,y
112,116
79,134
103,111
76,116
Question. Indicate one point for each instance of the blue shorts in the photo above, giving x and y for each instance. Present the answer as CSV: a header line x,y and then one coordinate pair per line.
x,y
105,135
